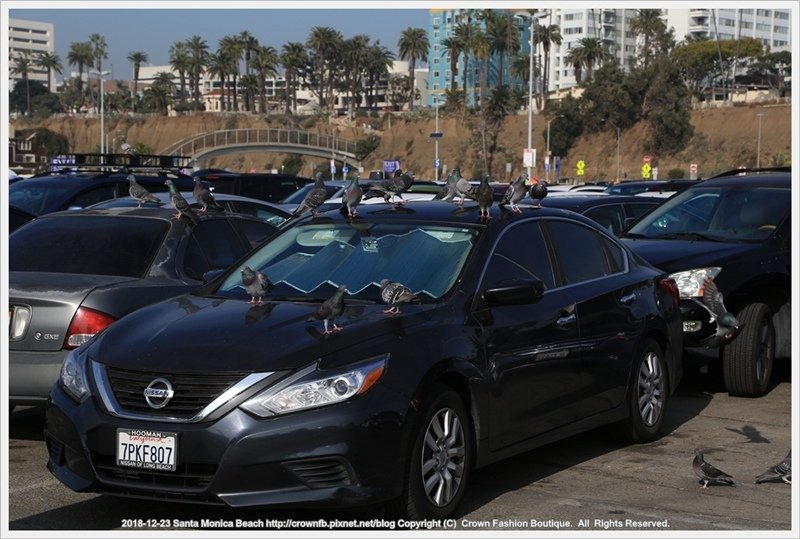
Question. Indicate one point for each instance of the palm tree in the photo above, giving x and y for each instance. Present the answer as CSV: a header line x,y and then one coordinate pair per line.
x,y
503,36
217,64
294,59
23,66
137,58
231,47
594,53
378,61
265,62
198,54
80,54
413,45
548,35
50,62
354,60
453,47
324,43
180,60
249,45
576,57
482,49
249,85
99,53
648,24
465,33
159,95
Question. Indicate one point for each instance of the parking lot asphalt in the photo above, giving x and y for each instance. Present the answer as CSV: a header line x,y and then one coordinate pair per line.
x,y
584,483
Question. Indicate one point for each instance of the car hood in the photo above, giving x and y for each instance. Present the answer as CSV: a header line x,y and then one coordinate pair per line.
x,y
207,334
677,255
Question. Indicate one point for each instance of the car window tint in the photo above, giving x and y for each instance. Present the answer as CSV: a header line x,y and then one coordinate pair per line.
x,y
213,245
636,210
95,195
609,217
254,232
35,196
581,252
259,211
520,254
90,245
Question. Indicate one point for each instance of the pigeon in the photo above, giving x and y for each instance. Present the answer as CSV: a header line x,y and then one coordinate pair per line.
x,y
126,148
537,191
449,186
179,203
255,283
140,193
484,194
352,197
314,199
709,473
727,325
204,197
460,187
393,293
330,309
391,187
781,471
515,192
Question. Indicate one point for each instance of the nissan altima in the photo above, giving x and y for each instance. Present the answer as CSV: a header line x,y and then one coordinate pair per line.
x,y
376,360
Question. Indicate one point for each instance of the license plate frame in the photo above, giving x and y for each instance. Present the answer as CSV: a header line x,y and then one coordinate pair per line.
x,y
147,449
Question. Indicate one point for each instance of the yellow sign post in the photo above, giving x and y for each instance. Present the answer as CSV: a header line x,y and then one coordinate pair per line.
x,y
646,171
580,168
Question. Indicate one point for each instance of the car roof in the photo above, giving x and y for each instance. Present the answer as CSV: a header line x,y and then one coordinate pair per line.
x,y
771,178
161,212
583,201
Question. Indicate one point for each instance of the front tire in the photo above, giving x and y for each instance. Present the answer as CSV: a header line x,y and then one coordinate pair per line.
x,y
747,361
647,396
440,459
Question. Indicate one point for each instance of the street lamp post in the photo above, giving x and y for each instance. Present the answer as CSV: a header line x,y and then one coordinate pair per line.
x,y
547,150
101,75
524,15
436,141
758,152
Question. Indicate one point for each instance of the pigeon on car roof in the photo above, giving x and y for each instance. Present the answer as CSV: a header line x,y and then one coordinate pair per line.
x,y
204,197
391,187
313,199
484,194
393,293
179,203
515,192
256,283
353,194
330,309
708,473
779,472
140,193
537,191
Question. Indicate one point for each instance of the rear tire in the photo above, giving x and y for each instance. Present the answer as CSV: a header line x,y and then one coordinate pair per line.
x,y
439,461
747,361
647,396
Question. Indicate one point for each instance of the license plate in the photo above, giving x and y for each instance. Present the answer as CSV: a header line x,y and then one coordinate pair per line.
x,y
152,450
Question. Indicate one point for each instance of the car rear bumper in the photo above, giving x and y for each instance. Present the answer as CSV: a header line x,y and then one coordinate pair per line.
x,y
31,375
345,455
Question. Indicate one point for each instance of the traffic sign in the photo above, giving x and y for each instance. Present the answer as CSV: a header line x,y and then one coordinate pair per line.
x,y
437,163
646,171
345,169
580,168
529,157
647,159
390,166
436,134
693,168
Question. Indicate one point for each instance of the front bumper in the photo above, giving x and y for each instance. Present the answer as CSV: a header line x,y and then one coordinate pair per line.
x,y
345,455
31,375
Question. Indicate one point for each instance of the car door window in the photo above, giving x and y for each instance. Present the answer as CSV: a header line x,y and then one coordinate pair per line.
x,y
94,195
609,217
213,244
520,253
254,232
582,253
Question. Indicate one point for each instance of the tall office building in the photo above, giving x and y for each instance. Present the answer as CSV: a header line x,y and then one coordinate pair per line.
x,y
34,37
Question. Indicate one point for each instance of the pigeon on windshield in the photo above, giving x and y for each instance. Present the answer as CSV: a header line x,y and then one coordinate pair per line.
x,y
727,325
313,199
179,203
515,192
394,293
484,194
708,473
537,192
204,197
140,193
352,197
780,472
255,283
330,309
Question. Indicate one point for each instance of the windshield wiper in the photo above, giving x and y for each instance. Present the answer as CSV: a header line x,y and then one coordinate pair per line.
x,y
688,236
632,235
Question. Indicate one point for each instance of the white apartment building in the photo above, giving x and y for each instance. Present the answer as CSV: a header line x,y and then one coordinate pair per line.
x,y
35,37
773,27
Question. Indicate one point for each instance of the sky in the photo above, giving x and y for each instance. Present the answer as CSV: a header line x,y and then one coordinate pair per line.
x,y
152,30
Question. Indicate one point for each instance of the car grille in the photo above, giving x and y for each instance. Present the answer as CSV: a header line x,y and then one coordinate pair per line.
x,y
321,473
193,392
187,476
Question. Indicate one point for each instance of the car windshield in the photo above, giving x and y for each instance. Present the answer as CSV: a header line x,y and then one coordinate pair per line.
x,y
35,197
313,259
722,213
93,245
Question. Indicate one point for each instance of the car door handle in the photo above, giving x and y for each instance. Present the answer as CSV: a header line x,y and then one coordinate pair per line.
x,y
566,321
627,299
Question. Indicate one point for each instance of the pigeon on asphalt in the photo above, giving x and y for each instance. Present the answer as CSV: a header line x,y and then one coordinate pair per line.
x,y
179,203
255,283
727,325
515,192
330,309
313,199
393,293
352,197
484,194
780,472
708,473
537,192
204,197
140,193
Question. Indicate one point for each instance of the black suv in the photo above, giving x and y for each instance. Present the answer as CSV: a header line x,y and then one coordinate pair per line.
x,y
734,228
270,187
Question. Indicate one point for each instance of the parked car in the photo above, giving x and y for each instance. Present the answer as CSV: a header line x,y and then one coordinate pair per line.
x,y
735,229
634,187
266,211
269,187
18,217
73,273
419,190
612,212
524,329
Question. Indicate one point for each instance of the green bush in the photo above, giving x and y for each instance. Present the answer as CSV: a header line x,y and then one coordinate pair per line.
x,y
676,173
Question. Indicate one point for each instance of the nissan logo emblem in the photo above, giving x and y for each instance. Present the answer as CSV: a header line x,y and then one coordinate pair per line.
x,y
158,393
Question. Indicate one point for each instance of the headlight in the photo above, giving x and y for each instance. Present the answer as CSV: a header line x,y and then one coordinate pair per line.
x,y
312,388
690,281
73,376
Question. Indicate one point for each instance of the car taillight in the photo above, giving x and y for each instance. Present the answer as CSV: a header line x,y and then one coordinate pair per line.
x,y
85,324
671,287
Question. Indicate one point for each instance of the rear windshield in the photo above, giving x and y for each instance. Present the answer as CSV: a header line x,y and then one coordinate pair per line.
x,y
35,197
89,245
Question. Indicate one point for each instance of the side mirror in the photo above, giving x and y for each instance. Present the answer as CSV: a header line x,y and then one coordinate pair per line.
x,y
210,275
518,292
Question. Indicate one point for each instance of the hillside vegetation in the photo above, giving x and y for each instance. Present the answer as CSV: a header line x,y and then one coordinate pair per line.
x,y
723,138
